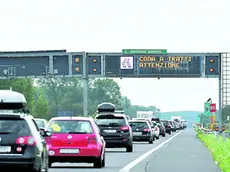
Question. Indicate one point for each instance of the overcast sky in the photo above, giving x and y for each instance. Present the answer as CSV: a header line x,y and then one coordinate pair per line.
x,y
110,25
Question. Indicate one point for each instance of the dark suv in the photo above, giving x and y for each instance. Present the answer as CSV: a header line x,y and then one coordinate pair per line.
x,y
115,130
21,143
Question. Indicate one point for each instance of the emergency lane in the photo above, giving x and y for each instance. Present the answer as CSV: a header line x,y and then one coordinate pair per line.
x,y
115,158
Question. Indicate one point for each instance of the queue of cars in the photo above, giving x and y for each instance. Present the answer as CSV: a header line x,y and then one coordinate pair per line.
x,y
36,144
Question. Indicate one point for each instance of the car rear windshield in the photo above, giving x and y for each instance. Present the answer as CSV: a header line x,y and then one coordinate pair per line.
x,y
110,120
139,124
14,126
159,124
70,126
165,122
40,123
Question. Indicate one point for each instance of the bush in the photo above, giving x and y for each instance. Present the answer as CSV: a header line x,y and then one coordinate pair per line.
x,y
219,148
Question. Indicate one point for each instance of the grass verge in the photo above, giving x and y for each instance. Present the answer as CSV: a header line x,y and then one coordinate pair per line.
x,y
219,148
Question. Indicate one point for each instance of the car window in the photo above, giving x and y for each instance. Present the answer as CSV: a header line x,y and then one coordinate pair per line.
x,y
40,123
36,125
70,126
17,126
110,120
159,124
139,124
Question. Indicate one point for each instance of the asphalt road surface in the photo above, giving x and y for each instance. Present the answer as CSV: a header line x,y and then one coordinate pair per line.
x,y
184,153
116,159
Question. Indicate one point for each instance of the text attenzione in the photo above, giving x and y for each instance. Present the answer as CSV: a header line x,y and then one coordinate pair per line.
x,y
163,61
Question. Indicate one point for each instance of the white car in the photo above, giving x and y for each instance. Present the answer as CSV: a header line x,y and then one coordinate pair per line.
x,y
156,130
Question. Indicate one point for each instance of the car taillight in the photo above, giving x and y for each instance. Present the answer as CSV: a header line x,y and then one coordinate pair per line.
x,y
147,130
27,140
162,128
169,126
124,128
92,140
156,129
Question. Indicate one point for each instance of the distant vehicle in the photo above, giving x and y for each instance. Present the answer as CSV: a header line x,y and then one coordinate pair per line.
x,y
144,119
21,141
128,117
142,131
173,124
156,130
75,139
167,126
162,128
41,123
114,127
144,114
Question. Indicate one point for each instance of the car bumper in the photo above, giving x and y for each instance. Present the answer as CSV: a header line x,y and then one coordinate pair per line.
x,y
141,138
83,152
112,142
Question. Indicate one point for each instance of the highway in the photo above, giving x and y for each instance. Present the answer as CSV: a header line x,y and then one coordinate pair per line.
x,y
116,159
181,151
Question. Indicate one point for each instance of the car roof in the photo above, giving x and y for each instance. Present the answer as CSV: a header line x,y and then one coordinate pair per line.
x,y
114,114
144,121
19,115
8,96
72,118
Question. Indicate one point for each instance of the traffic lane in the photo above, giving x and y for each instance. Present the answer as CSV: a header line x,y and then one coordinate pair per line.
x,y
183,153
116,159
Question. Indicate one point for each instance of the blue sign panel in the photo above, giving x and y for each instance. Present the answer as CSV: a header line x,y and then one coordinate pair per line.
x,y
77,63
61,65
65,113
171,65
119,66
24,66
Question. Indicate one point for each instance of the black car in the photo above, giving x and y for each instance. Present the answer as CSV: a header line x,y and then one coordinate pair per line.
x,y
114,127
142,131
21,143
167,126
115,130
162,128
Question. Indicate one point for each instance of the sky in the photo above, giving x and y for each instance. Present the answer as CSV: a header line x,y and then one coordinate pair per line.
x,y
110,26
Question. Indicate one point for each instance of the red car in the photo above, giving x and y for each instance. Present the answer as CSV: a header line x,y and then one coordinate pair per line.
x,y
75,139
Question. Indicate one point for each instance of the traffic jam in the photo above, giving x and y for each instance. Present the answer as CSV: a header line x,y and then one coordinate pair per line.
x,y
35,144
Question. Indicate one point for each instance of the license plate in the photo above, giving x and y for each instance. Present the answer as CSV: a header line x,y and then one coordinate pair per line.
x,y
137,133
5,149
69,151
110,131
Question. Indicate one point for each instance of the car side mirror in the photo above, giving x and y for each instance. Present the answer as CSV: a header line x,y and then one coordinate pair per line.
x,y
46,133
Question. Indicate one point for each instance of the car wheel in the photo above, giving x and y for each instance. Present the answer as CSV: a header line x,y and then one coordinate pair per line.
x,y
98,163
154,138
151,140
129,148
169,132
163,135
103,161
157,137
50,164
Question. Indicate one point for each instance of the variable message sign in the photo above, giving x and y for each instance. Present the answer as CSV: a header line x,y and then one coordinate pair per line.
x,y
119,66
171,65
77,64
24,66
60,65
94,65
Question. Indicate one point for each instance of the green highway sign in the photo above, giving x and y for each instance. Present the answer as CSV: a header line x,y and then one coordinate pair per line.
x,y
207,111
144,51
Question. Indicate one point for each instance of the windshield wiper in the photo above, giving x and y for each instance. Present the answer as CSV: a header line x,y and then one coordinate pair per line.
x,y
74,132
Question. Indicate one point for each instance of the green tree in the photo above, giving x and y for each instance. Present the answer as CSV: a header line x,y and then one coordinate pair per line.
x,y
41,108
24,86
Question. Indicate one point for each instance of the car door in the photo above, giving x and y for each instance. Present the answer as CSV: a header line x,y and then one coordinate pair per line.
x,y
39,138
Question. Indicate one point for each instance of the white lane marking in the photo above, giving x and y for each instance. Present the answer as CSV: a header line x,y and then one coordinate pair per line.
x,y
128,167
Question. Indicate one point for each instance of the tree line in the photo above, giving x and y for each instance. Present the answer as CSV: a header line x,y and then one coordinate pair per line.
x,y
48,96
